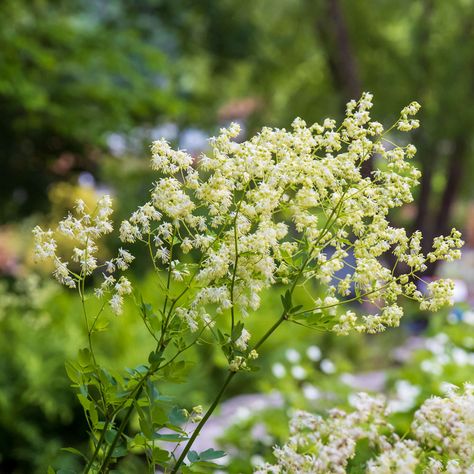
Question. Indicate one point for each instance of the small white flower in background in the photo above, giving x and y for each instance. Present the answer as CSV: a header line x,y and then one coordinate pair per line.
x,y
401,457
313,353
256,460
405,398
327,366
468,317
431,366
437,344
311,392
293,355
243,413
278,370
259,433
347,379
460,356
298,372
318,445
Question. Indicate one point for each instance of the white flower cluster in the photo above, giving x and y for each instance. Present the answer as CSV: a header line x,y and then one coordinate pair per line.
x,y
286,206
84,229
446,248
441,439
250,210
446,425
445,355
405,124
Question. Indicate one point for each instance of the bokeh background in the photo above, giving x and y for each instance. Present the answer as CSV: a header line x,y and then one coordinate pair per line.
x,y
85,86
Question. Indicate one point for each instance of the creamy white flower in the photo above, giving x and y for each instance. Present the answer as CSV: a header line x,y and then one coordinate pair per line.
x,y
242,341
283,207
313,353
278,370
320,445
327,366
298,372
293,355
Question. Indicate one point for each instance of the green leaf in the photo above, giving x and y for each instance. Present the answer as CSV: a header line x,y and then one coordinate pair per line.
x,y
160,455
177,416
137,441
72,372
295,309
317,321
158,415
141,369
204,467
101,325
210,454
173,437
222,338
84,390
177,371
51,470
110,435
155,323
155,357
286,301
84,357
94,416
146,427
205,456
193,456
253,368
237,331
119,452
85,402
73,451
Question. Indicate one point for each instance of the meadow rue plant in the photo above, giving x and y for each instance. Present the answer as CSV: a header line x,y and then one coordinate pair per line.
x,y
289,209
440,440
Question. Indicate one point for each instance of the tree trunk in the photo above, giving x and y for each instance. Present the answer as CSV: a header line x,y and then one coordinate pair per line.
x,y
332,29
455,171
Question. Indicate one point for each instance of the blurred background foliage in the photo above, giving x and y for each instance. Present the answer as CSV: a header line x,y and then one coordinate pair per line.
x,y
85,85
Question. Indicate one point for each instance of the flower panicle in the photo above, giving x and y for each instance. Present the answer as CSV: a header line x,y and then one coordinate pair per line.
x,y
247,211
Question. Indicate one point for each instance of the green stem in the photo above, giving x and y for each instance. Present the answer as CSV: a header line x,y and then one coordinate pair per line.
x,y
282,318
211,409
133,396
97,448
231,375
199,427
106,461
236,261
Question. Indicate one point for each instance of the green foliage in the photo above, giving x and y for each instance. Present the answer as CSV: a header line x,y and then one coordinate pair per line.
x,y
36,406
71,72
38,412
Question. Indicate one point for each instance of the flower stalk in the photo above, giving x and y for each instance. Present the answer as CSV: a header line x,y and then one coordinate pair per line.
x,y
285,209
